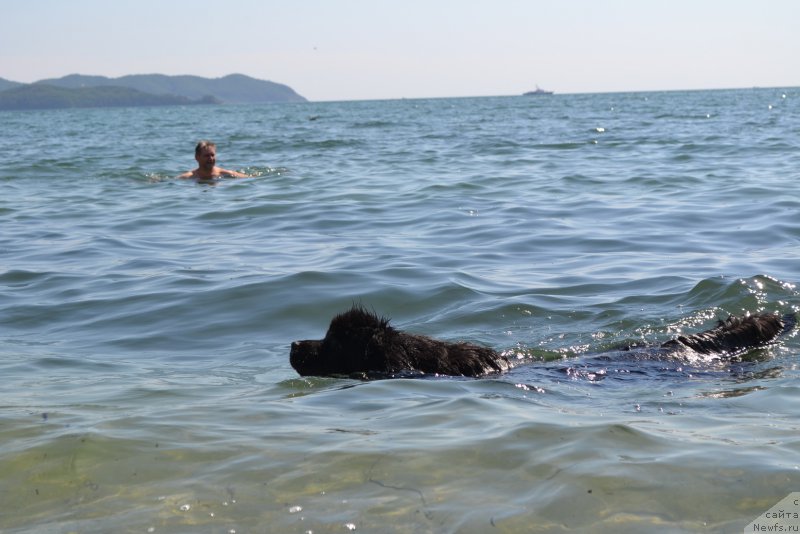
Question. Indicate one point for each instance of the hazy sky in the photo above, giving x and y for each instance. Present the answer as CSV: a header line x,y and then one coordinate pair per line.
x,y
373,49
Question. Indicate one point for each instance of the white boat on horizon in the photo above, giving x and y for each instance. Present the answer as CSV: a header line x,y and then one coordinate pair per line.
x,y
537,92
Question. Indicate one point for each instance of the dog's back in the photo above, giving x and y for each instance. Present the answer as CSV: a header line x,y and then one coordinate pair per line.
x,y
735,335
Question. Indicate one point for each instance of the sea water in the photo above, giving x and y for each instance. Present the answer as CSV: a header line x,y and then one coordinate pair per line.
x,y
145,322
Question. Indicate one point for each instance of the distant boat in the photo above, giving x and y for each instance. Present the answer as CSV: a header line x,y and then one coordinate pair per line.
x,y
538,92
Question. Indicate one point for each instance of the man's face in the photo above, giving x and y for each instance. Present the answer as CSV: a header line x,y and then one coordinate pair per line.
x,y
207,157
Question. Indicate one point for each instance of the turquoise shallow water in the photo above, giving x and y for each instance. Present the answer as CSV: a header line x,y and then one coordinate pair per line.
x,y
145,322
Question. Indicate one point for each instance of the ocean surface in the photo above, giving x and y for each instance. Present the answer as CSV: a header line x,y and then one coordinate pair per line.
x,y
145,322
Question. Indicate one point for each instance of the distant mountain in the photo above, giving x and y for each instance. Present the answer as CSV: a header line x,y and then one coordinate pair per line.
x,y
78,90
7,84
42,96
234,88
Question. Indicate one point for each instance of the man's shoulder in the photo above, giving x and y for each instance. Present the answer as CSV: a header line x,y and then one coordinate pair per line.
x,y
216,173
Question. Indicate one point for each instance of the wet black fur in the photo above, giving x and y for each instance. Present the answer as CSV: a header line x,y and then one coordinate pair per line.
x,y
359,342
735,335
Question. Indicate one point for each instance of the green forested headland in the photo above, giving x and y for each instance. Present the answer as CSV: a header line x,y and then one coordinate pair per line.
x,y
80,91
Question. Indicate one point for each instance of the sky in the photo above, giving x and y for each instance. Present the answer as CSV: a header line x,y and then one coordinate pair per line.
x,y
383,49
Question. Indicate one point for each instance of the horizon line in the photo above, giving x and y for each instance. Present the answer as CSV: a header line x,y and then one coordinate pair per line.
x,y
378,99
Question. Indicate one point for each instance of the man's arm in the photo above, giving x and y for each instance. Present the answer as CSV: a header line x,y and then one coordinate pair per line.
x,y
233,174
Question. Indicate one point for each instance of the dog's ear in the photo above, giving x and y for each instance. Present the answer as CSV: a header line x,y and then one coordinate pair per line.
x,y
378,354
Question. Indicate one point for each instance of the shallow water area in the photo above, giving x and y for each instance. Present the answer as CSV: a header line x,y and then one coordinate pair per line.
x,y
145,322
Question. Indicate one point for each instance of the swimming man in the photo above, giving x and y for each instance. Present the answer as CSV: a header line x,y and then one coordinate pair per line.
x,y
206,155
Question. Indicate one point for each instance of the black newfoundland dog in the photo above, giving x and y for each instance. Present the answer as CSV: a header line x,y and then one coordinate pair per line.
x,y
359,343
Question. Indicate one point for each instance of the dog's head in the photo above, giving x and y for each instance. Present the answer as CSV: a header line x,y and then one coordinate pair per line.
x,y
349,346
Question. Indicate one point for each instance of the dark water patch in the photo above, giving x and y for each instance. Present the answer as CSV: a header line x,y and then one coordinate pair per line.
x,y
324,144
18,278
379,124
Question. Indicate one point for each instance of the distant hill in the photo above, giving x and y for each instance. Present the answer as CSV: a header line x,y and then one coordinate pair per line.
x,y
234,88
42,96
78,90
7,84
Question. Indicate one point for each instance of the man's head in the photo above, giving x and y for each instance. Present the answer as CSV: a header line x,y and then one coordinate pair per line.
x,y
206,154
